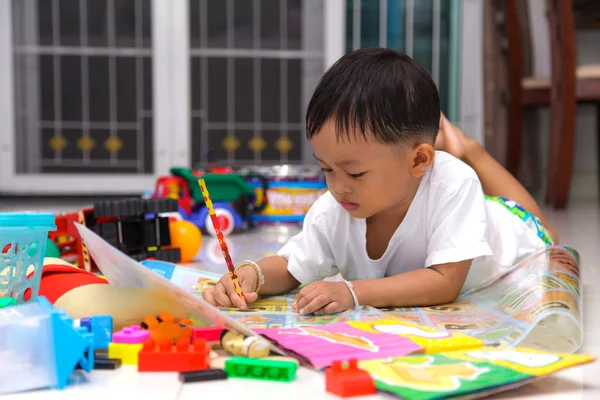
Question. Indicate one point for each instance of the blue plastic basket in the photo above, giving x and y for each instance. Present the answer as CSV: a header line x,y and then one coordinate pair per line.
x,y
23,238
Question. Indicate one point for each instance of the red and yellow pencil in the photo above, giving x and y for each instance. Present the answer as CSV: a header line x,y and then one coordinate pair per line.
x,y
224,249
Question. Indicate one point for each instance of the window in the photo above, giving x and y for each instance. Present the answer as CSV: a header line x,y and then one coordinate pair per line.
x,y
83,86
253,66
419,28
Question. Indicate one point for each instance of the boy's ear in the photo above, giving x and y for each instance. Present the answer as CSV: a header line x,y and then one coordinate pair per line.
x,y
423,155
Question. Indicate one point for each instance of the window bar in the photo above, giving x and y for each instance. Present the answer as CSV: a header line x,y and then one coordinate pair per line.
x,y
356,15
410,16
257,64
254,126
112,74
78,51
81,125
27,74
230,78
139,84
383,6
204,81
283,76
57,78
435,45
85,91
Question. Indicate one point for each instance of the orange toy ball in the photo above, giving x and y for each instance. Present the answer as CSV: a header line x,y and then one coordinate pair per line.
x,y
187,237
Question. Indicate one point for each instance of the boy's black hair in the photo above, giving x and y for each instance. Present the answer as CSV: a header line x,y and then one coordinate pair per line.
x,y
380,91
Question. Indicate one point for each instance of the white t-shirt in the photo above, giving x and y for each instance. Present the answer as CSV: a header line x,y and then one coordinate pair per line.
x,y
449,220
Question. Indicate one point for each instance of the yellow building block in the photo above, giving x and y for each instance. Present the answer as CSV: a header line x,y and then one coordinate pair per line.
x,y
127,353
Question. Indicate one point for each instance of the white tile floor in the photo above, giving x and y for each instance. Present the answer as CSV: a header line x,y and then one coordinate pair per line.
x,y
578,226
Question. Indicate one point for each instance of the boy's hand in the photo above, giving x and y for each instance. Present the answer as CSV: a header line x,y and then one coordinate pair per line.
x,y
322,298
224,294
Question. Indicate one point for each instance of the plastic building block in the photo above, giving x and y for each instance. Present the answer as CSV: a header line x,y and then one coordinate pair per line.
x,y
107,363
348,382
164,356
86,323
203,375
165,327
209,333
23,238
264,369
131,335
7,301
101,327
166,316
42,347
127,353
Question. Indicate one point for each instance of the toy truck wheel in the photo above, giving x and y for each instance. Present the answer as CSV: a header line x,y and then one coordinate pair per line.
x,y
226,221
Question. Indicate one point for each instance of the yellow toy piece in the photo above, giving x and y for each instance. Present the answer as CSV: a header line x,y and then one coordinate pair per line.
x,y
127,353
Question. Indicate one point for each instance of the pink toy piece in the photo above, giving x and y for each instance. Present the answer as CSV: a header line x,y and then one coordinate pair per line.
x,y
208,333
131,335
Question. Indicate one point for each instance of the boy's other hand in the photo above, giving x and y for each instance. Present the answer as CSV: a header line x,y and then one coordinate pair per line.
x,y
224,294
320,298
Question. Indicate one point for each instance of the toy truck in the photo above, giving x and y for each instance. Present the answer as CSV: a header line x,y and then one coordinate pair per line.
x,y
137,227
232,196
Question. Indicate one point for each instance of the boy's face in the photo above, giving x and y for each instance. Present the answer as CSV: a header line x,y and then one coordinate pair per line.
x,y
367,177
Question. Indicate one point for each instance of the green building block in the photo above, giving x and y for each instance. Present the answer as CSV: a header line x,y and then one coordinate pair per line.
x,y
264,369
7,301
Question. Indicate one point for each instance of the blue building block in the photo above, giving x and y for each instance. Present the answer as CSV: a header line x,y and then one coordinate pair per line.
x,y
86,323
101,327
42,347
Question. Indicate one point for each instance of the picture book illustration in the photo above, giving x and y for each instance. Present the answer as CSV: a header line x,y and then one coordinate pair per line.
x,y
471,373
319,346
537,305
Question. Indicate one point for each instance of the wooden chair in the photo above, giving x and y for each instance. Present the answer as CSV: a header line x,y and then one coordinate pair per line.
x,y
567,86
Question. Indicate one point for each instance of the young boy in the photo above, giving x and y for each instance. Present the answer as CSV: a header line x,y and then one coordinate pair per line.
x,y
403,224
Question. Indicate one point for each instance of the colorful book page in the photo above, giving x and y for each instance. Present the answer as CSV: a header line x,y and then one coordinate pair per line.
x,y
319,346
431,340
474,372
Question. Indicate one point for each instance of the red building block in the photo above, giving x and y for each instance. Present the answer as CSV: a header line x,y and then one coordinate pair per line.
x,y
348,382
166,357
209,333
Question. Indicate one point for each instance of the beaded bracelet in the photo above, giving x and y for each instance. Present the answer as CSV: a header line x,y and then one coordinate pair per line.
x,y
260,278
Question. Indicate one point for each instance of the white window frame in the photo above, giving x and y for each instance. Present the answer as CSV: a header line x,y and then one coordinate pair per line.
x,y
89,184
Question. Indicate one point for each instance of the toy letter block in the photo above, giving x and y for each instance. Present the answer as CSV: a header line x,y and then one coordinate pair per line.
x,y
165,357
127,353
348,382
258,368
131,335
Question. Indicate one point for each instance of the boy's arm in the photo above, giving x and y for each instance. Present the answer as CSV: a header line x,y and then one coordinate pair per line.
x,y
438,284
278,279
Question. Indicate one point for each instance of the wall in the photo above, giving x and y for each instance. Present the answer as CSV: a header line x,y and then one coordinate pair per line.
x,y
471,60
586,156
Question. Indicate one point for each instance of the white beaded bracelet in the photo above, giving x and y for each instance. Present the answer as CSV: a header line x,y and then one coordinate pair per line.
x,y
351,289
257,269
